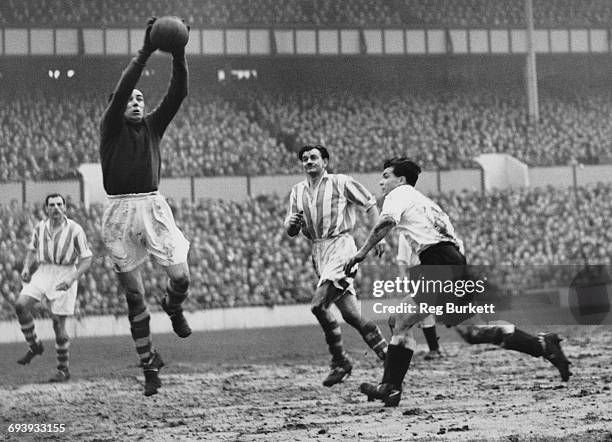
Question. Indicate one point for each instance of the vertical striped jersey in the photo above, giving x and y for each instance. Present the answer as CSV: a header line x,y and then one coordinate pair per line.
x,y
65,247
329,207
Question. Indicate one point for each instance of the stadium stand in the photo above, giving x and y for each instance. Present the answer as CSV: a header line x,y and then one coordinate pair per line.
x,y
241,256
217,133
445,13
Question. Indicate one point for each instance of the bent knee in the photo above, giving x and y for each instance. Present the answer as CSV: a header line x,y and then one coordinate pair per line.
x,y
318,310
404,339
401,324
181,281
22,306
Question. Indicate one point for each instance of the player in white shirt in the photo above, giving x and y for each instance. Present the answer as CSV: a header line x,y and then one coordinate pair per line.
x,y
432,236
406,259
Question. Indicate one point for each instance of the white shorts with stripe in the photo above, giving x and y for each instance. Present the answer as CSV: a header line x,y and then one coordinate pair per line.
x,y
329,257
43,283
137,225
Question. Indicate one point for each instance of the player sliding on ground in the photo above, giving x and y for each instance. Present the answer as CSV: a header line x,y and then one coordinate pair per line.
x,y
323,208
433,239
137,221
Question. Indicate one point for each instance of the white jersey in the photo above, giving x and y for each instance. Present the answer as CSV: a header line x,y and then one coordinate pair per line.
x,y
405,255
419,219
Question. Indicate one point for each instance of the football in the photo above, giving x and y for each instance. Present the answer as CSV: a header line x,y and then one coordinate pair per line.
x,y
169,34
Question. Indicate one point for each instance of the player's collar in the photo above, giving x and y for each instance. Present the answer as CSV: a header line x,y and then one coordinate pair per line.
x,y
324,175
48,223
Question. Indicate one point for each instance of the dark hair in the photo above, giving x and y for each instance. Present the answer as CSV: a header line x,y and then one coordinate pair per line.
x,y
322,149
402,166
54,195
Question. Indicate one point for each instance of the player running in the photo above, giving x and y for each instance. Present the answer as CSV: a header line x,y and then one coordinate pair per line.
x,y
407,259
323,208
137,221
60,247
433,238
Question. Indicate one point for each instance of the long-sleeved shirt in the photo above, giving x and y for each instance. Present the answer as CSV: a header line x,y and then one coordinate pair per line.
x,y
129,152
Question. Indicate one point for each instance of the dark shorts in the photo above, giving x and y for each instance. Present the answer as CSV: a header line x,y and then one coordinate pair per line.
x,y
445,277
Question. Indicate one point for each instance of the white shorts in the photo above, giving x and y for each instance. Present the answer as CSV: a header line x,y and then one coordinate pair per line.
x,y
137,225
329,257
42,285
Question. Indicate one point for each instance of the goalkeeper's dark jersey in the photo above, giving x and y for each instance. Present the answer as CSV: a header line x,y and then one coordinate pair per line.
x,y
129,152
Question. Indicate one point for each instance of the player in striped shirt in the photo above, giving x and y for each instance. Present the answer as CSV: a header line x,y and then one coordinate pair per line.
x,y
60,247
432,237
323,207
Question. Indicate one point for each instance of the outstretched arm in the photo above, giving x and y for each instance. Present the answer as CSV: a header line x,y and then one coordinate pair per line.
x,y
373,214
382,227
176,93
113,114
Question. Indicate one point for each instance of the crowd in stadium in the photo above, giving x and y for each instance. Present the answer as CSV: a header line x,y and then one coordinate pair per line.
x,y
240,254
471,13
216,133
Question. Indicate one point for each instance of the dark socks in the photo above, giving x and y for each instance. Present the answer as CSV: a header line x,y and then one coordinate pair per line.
x,y
431,337
396,365
141,334
523,342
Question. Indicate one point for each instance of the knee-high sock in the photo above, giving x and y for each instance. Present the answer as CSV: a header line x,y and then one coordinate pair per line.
x,y
62,350
141,334
487,334
374,338
174,296
506,336
523,342
431,337
396,365
333,337
27,328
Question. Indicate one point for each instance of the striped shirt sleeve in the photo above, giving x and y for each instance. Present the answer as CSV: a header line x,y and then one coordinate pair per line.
x,y
356,193
293,206
33,244
80,243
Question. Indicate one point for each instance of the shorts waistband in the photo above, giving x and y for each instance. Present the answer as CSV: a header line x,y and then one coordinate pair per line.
x,y
329,238
438,246
49,264
131,196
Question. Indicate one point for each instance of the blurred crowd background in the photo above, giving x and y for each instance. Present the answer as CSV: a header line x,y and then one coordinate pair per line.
x,y
254,129
240,254
490,13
